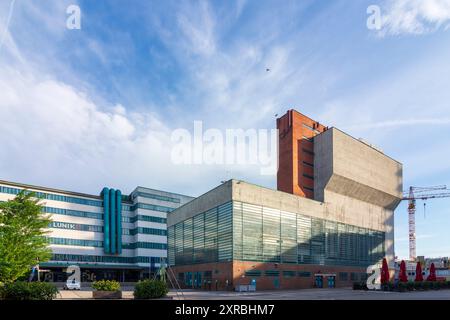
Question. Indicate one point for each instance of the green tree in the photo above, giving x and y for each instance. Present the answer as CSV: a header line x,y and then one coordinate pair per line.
x,y
23,239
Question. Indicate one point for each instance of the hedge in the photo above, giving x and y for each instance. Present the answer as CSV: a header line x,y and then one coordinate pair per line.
x,y
21,290
150,289
106,285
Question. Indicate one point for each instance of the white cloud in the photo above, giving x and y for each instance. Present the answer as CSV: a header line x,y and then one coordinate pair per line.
x,y
414,16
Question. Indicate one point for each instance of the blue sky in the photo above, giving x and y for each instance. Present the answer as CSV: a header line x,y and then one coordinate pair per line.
x,y
92,107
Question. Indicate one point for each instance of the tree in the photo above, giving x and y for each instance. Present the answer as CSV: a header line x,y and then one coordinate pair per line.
x,y
23,239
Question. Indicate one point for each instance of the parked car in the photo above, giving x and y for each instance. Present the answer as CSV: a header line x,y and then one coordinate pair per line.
x,y
72,285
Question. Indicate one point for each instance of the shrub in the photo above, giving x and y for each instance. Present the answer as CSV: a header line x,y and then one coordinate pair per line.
x,y
21,290
427,285
410,286
150,289
106,285
402,286
447,284
390,286
356,286
418,285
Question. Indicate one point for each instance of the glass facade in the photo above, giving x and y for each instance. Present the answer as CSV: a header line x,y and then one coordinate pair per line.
x,y
207,237
98,243
241,231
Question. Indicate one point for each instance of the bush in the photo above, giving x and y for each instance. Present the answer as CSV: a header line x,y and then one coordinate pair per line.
x,y
418,285
106,285
21,290
410,286
436,285
150,289
390,286
447,284
427,285
402,286
357,286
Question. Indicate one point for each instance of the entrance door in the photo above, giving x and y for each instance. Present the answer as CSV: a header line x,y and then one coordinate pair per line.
x,y
197,280
188,280
276,283
319,282
331,281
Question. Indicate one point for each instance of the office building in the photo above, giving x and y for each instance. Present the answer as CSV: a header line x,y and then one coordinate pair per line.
x,y
110,235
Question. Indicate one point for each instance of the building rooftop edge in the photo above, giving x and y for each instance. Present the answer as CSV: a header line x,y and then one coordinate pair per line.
x,y
71,193
361,141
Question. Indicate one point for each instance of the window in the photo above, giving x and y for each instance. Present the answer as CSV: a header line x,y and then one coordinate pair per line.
x,y
145,245
353,276
343,276
308,164
304,274
272,273
252,273
55,197
288,274
308,152
75,242
153,207
308,176
155,196
74,213
157,232
103,259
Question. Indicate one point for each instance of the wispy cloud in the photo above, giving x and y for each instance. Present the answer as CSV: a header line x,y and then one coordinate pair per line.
x,y
398,123
8,20
414,16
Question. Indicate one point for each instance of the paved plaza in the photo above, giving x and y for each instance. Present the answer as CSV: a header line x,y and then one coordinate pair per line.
x,y
304,294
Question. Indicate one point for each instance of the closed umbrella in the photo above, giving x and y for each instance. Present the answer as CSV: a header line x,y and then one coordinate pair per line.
x,y
403,277
419,276
384,272
432,275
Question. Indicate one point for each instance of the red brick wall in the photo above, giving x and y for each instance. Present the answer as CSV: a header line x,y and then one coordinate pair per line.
x,y
234,271
292,143
296,282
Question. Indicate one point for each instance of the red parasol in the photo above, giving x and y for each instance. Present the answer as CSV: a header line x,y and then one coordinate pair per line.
x,y
419,276
402,276
384,272
432,276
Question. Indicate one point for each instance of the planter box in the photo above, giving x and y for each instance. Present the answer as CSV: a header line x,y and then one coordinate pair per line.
x,y
107,294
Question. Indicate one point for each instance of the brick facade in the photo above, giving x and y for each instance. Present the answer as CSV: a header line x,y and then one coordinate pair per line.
x,y
234,272
296,153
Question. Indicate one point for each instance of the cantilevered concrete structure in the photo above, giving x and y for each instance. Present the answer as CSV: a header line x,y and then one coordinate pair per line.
x,y
240,233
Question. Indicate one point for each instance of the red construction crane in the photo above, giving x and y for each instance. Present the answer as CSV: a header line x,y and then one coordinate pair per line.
x,y
420,193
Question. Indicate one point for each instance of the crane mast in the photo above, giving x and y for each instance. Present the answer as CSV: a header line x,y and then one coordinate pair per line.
x,y
412,224
421,193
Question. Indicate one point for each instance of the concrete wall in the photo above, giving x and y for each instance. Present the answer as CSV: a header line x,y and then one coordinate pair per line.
x,y
358,183
209,200
347,166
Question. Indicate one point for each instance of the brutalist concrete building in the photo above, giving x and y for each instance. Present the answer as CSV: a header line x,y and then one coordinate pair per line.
x,y
241,234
